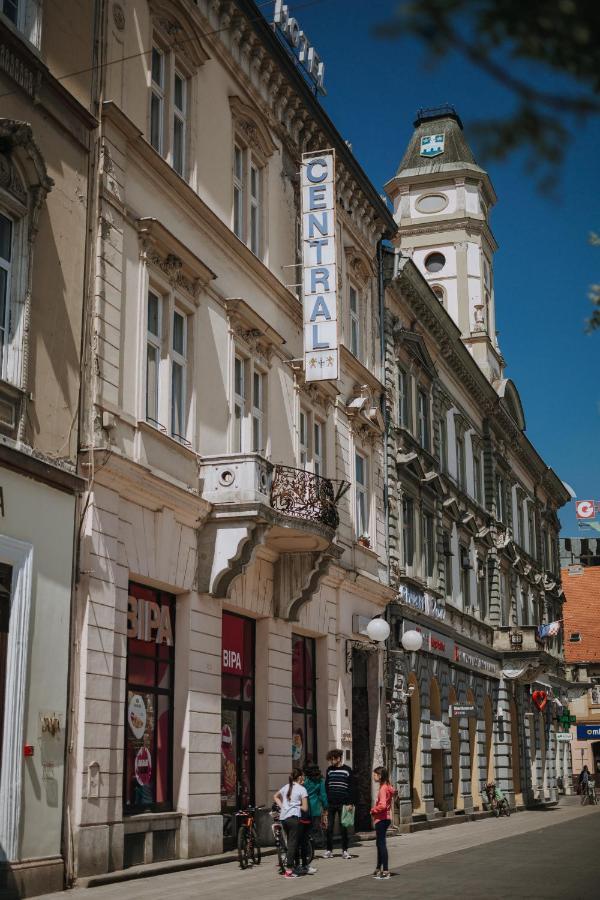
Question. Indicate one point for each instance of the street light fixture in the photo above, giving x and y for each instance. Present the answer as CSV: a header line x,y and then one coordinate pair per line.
x,y
378,630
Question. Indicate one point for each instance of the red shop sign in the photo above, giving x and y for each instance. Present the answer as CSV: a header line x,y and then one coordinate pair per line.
x,y
233,645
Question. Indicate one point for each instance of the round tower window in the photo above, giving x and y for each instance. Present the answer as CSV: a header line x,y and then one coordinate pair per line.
x,y
435,262
432,203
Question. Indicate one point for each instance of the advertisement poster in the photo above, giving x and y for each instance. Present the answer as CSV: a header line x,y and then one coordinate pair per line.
x,y
143,766
136,715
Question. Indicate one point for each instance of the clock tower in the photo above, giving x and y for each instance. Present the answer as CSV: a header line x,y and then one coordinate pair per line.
x,y
442,201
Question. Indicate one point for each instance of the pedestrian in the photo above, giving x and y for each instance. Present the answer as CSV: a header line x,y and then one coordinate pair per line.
x,y
292,801
584,779
382,819
317,799
339,786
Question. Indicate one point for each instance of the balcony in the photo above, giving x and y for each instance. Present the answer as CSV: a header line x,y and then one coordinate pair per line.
x,y
520,639
256,504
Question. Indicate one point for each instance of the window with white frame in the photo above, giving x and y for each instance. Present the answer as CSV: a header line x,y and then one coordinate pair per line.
x,y
354,307
166,382
6,265
249,406
531,529
504,598
465,575
311,442
423,430
403,398
169,105
595,695
303,438
500,499
477,475
248,203
448,555
520,517
361,483
443,435
26,16
318,447
461,459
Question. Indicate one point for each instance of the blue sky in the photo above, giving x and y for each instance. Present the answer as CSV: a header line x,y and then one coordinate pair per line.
x,y
544,265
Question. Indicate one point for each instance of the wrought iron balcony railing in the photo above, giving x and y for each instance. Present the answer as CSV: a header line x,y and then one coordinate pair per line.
x,y
305,495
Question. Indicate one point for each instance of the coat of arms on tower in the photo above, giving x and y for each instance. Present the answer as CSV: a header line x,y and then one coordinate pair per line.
x,y
432,145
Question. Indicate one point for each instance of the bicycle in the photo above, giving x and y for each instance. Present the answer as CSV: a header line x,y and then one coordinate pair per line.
x,y
499,805
588,793
281,841
248,845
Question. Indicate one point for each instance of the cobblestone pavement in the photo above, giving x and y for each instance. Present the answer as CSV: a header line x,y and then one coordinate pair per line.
x,y
534,855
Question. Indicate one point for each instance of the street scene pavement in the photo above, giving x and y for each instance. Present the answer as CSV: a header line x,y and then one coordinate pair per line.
x,y
534,855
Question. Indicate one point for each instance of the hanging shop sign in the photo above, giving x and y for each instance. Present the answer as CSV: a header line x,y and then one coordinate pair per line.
x,y
462,711
148,620
478,663
563,737
433,642
588,732
422,600
440,735
300,45
319,267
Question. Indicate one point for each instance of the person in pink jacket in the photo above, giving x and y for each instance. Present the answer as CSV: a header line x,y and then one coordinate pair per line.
x,y
382,819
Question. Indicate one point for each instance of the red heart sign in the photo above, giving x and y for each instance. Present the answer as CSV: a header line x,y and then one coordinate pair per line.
x,y
540,698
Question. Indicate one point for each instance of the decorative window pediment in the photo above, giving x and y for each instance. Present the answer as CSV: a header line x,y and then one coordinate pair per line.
x,y
364,413
181,267
360,267
181,31
414,344
250,126
249,328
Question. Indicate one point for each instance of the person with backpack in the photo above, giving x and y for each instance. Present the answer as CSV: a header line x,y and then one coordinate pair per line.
x,y
292,801
339,787
317,799
382,819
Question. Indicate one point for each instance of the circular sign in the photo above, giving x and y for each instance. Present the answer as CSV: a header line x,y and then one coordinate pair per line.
x,y
143,766
584,509
297,745
136,715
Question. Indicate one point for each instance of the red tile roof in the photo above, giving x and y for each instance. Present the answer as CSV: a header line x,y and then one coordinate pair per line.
x,y
582,614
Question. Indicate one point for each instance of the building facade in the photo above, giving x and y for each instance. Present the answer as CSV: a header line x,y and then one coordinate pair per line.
x,y
473,508
233,545
581,582
46,136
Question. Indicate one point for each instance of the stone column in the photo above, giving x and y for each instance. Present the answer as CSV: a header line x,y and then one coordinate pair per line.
x,y
503,744
465,765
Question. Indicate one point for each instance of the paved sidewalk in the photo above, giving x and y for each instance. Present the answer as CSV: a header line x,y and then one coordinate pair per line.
x,y
539,829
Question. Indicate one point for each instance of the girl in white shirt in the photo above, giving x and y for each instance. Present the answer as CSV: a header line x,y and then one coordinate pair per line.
x,y
292,800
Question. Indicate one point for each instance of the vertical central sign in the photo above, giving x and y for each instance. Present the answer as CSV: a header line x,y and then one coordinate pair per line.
x,y
319,267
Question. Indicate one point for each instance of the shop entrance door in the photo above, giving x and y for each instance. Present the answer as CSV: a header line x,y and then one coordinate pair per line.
x,y
237,722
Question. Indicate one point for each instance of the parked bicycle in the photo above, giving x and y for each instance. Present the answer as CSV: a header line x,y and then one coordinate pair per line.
x,y
588,793
497,802
281,841
248,845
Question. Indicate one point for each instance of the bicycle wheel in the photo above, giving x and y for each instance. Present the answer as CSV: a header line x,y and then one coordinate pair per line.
x,y
507,810
281,850
242,846
255,851
310,850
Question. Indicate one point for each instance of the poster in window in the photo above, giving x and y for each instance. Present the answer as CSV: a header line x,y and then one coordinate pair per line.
x,y
136,715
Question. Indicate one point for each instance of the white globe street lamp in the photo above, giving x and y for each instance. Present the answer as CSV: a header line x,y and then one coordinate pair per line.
x,y
378,630
412,640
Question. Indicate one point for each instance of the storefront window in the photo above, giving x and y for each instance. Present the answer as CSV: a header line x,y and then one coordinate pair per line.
x,y
148,774
237,718
304,721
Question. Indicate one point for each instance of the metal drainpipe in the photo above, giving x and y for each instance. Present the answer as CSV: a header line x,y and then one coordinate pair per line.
x,y
381,290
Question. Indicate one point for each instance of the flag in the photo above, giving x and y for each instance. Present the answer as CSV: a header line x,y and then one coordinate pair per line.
x,y
553,629
550,629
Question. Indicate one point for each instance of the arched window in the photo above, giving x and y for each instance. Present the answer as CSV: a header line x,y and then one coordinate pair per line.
x,y
439,292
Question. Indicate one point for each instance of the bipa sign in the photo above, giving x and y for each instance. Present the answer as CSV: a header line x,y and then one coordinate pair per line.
x,y
319,262
232,661
585,509
149,621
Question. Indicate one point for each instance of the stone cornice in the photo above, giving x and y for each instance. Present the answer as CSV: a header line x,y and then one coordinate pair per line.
x,y
441,225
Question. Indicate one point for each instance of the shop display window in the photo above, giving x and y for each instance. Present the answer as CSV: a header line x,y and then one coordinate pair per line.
x,y
304,721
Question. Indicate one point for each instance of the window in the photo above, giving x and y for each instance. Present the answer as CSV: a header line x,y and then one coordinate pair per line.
x,y
435,262
178,380
500,502
362,494
148,770
166,366
255,209
303,439
5,591
447,549
238,191
408,531
169,106
423,418
504,598
428,545
524,607
26,16
318,447
247,199
443,431
258,405
354,322
311,443
179,122
304,696
403,398
438,290
465,576
239,402
153,357
461,467
477,481
157,99
595,695
520,518
482,587
531,529
6,251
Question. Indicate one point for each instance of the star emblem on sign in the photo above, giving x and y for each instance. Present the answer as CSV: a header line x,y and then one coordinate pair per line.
x,y
312,362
